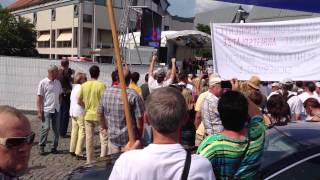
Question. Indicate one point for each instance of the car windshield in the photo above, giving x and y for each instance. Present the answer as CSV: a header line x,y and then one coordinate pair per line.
x,y
277,146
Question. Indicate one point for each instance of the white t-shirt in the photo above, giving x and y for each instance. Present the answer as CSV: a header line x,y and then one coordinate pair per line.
x,y
160,161
304,96
153,84
188,86
50,92
75,109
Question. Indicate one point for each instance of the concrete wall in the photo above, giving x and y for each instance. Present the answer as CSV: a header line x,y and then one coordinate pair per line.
x,y
179,26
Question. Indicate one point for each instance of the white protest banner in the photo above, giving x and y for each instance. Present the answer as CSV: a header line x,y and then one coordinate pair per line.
x,y
272,50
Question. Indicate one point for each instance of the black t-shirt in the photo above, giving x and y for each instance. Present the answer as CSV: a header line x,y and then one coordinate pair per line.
x,y
65,78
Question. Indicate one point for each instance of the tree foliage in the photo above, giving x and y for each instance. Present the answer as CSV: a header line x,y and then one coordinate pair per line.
x,y
17,35
203,28
207,53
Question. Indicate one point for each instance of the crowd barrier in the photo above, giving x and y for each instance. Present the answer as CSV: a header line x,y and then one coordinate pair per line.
x,y
20,76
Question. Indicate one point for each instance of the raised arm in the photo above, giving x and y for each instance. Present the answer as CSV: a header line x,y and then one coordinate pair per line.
x,y
173,70
153,61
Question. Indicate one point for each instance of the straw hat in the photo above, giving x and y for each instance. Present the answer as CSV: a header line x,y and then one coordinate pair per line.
x,y
286,81
214,79
254,82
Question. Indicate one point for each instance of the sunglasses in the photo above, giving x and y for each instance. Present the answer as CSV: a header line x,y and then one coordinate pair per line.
x,y
17,141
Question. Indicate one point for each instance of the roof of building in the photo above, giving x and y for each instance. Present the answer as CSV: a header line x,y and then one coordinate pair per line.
x,y
183,19
20,4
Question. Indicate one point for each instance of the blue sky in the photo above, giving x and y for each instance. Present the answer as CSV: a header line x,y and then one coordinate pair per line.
x,y
184,8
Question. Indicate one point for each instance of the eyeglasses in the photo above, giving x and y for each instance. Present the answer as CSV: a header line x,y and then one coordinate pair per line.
x,y
17,141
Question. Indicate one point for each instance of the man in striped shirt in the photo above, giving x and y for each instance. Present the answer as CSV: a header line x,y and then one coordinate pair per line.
x,y
236,151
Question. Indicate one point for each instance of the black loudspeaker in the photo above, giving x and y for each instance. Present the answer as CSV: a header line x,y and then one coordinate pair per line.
x,y
162,54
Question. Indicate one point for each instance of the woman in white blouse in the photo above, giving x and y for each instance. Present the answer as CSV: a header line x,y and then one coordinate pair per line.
x,y
76,114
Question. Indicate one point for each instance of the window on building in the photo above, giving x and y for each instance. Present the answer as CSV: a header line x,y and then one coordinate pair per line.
x,y
53,14
44,44
166,28
64,44
34,18
87,18
101,2
75,10
134,2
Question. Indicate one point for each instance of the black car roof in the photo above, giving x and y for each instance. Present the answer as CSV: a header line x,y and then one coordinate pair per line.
x,y
306,133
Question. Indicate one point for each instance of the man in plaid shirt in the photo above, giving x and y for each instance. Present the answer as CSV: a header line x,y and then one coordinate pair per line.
x,y
112,116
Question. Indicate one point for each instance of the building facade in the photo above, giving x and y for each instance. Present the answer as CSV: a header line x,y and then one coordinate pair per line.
x,y
228,13
77,28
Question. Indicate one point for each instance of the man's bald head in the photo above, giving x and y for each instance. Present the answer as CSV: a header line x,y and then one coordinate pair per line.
x,y
17,120
14,123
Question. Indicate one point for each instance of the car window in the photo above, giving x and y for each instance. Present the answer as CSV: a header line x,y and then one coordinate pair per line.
x,y
277,146
308,170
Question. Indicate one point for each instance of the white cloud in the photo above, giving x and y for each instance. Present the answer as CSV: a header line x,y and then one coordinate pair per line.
x,y
6,2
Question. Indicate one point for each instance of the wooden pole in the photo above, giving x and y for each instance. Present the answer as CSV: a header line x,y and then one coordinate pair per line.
x,y
120,72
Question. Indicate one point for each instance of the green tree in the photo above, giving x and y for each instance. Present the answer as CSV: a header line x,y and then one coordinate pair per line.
x,y
207,53
17,35
203,28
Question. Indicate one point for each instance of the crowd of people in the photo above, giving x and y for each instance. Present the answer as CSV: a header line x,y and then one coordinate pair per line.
x,y
172,112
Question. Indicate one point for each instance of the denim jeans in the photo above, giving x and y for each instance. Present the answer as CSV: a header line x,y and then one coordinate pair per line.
x,y
45,127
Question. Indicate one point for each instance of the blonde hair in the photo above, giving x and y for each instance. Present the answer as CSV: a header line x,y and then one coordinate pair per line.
x,y
79,77
187,94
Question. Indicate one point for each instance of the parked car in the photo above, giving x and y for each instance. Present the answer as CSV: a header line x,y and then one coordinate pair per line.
x,y
291,152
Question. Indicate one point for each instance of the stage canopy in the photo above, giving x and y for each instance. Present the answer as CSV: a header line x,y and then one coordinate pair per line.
x,y
298,5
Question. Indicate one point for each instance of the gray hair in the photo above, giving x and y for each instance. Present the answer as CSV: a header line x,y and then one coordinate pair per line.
x,y
166,109
52,67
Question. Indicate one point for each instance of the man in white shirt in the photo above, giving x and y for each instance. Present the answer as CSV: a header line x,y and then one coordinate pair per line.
x,y
309,92
209,109
158,80
294,102
48,100
165,159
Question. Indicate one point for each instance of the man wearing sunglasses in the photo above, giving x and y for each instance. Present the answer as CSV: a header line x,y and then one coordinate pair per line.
x,y
16,140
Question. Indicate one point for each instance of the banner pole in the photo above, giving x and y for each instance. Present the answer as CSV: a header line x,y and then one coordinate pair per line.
x,y
120,72
214,57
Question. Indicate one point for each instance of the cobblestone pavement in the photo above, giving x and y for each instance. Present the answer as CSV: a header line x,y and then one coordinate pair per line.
x,y
52,166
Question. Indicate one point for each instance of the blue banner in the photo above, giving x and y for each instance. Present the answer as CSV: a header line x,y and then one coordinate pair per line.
x,y
298,5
